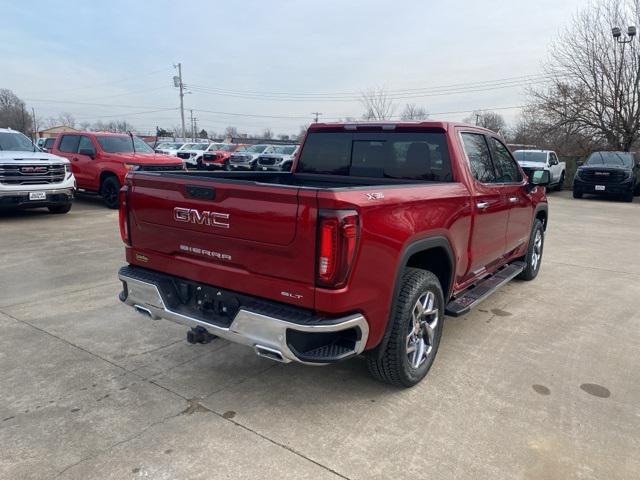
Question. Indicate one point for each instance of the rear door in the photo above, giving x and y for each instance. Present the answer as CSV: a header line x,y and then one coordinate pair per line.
x,y
491,212
510,182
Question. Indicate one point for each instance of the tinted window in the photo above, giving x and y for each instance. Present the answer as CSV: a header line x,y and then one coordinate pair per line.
x,y
613,159
402,155
48,143
122,144
553,158
69,143
85,144
506,167
479,157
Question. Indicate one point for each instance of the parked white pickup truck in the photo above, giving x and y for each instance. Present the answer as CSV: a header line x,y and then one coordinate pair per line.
x,y
545,159
31,178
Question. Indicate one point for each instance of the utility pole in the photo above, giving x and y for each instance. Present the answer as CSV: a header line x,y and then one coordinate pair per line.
x,y
315,116
177,81
35,124
193,136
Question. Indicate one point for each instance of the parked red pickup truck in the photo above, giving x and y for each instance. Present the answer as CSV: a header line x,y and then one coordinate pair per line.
x,y
380,231
100,160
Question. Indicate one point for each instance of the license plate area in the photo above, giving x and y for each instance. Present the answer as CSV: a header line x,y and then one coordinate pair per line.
x,y
37,195
600,188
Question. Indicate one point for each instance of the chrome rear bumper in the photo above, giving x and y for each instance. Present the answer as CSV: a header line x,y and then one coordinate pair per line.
x,y
265,333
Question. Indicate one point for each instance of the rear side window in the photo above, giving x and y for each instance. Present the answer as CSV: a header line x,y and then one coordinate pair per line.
x,y
479,157
507,170
69,143
401,155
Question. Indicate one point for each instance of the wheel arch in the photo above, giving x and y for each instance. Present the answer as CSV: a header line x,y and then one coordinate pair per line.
x,y
542,214
105,174
433,254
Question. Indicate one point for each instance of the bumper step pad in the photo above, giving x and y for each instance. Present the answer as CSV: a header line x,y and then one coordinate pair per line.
x,y
483,289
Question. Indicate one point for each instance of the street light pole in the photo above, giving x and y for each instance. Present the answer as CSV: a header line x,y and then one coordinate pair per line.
x,y
178,83
616,32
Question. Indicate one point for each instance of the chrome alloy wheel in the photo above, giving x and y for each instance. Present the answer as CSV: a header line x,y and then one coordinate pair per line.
x,y
422,328
537,251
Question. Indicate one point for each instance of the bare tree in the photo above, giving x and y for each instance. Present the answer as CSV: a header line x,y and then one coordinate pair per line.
x,y
414,112
231,132
377,103
13,112
283,136
267,133
66,119
595,89
491,120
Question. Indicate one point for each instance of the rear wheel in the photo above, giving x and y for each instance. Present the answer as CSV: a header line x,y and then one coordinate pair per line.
x,y
416,329
109,191
60,209
533,258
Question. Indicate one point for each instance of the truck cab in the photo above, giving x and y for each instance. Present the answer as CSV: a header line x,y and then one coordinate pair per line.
x,y
545,159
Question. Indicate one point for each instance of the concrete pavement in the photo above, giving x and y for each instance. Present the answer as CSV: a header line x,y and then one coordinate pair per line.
x,y
540,382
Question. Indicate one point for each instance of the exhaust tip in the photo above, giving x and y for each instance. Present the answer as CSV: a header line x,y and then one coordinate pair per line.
x,y
270,353
144,311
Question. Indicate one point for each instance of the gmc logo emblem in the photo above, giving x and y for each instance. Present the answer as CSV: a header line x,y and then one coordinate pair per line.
x,y
34,169
602,174
191,215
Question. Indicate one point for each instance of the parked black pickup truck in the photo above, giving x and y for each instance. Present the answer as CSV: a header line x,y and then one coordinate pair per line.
x,y
608,173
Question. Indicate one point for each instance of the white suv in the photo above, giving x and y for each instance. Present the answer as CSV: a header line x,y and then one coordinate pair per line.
x,y
31,178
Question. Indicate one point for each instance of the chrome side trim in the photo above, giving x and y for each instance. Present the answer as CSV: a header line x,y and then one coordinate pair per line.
x,y
247,328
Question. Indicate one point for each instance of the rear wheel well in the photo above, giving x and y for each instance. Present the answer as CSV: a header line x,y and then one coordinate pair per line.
x,y
435,260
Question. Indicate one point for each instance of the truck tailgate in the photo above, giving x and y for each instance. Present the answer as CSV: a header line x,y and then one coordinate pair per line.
x,y
224,232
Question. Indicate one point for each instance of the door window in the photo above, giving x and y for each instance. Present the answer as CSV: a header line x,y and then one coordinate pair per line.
x,y
85,144
475,146
69,143
553,160
507,170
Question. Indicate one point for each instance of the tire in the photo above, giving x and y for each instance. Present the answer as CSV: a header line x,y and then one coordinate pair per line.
x,y
287,166
577,194
628,197
533,258
561,183
60,209
396,365
109,191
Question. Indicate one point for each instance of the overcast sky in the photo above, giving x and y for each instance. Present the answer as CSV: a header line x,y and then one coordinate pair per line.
x,y
273,58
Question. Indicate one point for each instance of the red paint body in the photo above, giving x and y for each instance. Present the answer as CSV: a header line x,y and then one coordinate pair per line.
x,y
217,158
273,231
89,171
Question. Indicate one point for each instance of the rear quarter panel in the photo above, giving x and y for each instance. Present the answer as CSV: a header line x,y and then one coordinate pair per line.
x,y
406,214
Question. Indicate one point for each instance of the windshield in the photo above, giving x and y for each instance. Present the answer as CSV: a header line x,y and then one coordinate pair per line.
x,y
213,147
16,142
122,144
285,149
530,156
612,159
195,146
259,149
226,147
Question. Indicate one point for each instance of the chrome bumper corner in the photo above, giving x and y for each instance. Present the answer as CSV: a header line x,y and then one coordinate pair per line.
x,y
265,334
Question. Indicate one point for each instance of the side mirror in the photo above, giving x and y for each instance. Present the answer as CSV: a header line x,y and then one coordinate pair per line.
x,y
539,178
88,152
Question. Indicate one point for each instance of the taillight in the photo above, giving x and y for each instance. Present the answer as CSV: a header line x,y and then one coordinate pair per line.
x,y
123,215
338,233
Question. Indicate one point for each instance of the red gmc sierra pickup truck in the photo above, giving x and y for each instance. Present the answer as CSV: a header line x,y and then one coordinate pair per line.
x,y
379,231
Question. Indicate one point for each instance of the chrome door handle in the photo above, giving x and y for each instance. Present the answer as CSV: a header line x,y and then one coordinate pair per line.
x,y
482,205
513,199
